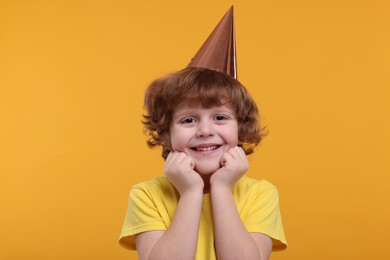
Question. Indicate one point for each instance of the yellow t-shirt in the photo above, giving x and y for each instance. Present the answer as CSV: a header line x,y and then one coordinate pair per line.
x,y
152,205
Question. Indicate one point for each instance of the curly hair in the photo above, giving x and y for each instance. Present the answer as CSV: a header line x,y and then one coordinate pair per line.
x,y
204,87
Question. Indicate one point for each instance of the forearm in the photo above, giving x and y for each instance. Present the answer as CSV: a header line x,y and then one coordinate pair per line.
x,y
181,238
232,240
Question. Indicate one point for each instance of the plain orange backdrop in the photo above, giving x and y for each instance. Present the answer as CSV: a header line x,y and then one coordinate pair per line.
x,y
72,77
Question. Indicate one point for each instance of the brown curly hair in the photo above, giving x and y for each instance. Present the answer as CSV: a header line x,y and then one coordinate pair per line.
x,y
204,87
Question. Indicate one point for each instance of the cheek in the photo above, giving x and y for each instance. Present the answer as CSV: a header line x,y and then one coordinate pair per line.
x,y
231,137
179,142
233,134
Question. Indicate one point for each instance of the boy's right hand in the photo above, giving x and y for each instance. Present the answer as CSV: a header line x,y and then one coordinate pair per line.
x,y
179,169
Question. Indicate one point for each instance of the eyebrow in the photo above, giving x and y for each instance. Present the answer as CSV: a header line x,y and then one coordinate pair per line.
x,y
182,113
217,110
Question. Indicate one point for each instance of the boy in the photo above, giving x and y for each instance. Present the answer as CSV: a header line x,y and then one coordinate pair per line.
x,y
204,207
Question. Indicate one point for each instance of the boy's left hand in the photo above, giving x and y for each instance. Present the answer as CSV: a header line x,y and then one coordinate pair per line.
x,y
234,165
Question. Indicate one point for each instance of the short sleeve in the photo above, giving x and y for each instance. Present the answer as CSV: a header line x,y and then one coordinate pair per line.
x,y
142,215
263,215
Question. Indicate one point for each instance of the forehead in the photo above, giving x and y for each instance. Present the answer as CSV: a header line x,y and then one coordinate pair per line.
x,y
183,109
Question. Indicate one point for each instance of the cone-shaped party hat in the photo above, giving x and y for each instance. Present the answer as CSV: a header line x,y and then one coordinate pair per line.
x,y
219,50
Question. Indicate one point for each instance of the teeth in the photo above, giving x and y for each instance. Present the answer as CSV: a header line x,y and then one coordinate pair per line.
x,y
206,148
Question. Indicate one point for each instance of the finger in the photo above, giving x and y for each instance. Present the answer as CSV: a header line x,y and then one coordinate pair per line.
x,y
180,157
234,153
189,161
241,152
181,160
171,160
241,156
225,158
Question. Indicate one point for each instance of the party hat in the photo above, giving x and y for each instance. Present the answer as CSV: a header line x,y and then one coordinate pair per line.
x,y
219,50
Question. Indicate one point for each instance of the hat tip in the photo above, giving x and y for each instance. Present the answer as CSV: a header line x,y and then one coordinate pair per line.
x,y
218,52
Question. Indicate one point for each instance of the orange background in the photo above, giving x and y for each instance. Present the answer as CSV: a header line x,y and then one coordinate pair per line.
x,y
72,77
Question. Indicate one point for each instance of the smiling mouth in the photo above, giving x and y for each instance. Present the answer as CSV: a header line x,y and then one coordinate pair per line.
x,y
205,149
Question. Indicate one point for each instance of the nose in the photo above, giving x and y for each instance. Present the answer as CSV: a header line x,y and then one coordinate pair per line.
x,y
205,128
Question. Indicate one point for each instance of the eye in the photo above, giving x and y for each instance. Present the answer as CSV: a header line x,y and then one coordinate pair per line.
x,y
188,120
221,117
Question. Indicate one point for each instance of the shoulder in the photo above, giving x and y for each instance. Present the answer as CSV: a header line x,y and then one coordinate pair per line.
x,y
249,189
156,183
159,187
247,184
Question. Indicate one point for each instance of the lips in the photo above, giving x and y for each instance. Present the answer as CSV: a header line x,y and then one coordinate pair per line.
x,y
205,148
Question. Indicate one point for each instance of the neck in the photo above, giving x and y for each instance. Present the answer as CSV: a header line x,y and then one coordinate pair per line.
x,y
206,180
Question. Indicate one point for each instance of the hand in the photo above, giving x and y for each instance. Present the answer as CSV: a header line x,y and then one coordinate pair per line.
x,y
234,165
179,169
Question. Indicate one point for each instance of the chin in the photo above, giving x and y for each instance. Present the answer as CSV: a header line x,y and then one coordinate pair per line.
x,y
207,170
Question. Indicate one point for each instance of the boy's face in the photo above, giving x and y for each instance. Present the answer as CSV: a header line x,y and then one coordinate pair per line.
x,y
205,134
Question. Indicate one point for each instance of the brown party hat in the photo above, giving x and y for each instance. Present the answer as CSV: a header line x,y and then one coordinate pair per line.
x,y
219,50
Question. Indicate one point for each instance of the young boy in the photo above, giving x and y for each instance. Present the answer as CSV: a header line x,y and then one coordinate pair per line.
x,y
204,207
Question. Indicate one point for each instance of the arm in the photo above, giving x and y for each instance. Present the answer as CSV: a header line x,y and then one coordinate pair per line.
x,y
181,238
232,241
231,238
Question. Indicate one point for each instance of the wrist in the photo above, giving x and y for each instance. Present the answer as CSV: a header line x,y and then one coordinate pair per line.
x,y
191,195
192,191
217,187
